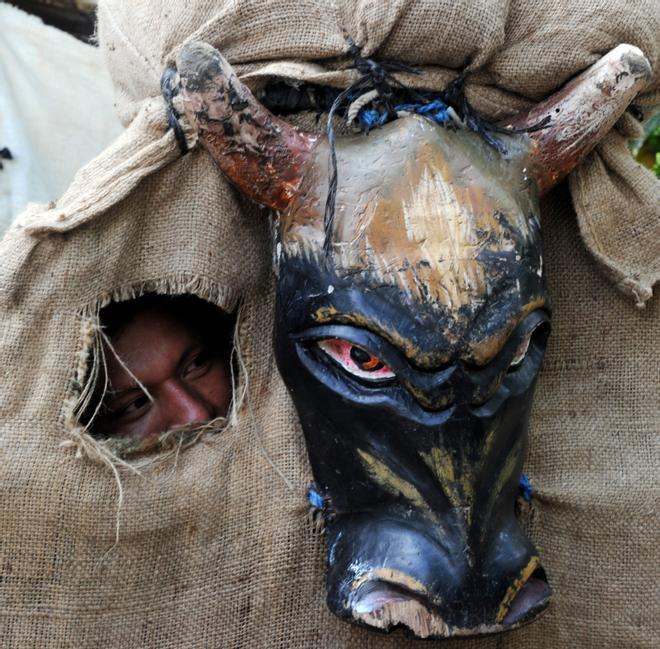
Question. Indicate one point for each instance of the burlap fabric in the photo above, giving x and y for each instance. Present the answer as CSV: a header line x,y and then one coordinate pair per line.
x,y
214,549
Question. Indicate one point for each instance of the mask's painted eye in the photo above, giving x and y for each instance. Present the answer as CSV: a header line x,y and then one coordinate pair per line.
x,y
521,352
355,360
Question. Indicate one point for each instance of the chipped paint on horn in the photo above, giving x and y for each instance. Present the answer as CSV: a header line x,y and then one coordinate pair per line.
x,y
582,112
263,156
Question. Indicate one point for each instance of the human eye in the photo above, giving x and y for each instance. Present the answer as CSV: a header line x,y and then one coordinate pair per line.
x,y
198,364
356,360
134,408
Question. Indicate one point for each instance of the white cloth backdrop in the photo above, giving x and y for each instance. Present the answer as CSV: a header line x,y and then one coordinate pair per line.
x,y
56,110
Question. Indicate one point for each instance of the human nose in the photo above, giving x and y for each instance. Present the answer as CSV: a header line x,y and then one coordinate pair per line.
x,y
186,406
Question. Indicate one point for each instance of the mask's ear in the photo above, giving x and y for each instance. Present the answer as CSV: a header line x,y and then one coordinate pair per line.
x,y
581,113
263,156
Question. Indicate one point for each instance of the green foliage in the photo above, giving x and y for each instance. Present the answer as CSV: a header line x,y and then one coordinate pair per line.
x,y
647,150
653,140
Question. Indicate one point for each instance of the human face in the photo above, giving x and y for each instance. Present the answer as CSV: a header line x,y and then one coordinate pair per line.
x,y
188,381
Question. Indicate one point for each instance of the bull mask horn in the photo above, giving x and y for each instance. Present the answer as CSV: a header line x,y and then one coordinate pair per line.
x,y
266,158
581,113
263,156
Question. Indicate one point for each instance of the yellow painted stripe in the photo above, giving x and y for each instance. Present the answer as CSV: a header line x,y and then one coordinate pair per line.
x,y
391,482
515,587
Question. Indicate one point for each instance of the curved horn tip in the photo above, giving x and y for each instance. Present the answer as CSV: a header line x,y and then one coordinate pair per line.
x,y
633,59
262,155
581,113
199,63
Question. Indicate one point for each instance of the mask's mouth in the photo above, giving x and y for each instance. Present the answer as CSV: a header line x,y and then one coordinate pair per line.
x,y
386,605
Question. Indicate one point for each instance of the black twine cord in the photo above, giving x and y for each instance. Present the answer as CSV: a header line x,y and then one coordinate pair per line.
x,y
170,90
454,95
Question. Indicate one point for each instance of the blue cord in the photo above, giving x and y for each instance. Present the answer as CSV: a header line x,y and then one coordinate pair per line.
x,y
435,110
526,489
315,498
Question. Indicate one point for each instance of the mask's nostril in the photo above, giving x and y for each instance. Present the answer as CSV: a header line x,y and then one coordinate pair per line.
x,y
373,596
384,606
531,599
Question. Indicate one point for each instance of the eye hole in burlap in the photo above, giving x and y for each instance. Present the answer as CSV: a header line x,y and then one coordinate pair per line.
x,y
89,387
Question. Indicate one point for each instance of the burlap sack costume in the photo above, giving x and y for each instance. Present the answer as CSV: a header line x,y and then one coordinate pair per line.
x,y
210,547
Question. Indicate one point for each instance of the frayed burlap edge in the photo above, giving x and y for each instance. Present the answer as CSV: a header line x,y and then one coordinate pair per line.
x,y
632,265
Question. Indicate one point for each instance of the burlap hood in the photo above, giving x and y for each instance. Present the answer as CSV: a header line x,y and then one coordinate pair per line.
x,y
212,547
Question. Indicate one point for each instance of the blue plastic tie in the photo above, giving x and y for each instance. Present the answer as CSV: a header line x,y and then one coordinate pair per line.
x,y
368,118
526,489
315,498
435,110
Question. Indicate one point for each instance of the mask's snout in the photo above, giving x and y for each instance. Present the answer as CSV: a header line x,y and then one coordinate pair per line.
x,y
387,573
386,605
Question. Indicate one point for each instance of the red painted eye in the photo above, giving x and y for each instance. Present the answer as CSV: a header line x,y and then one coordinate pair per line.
x,y
356,360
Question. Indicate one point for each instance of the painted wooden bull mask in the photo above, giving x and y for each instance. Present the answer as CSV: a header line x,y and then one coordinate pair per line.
x,y
412,344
